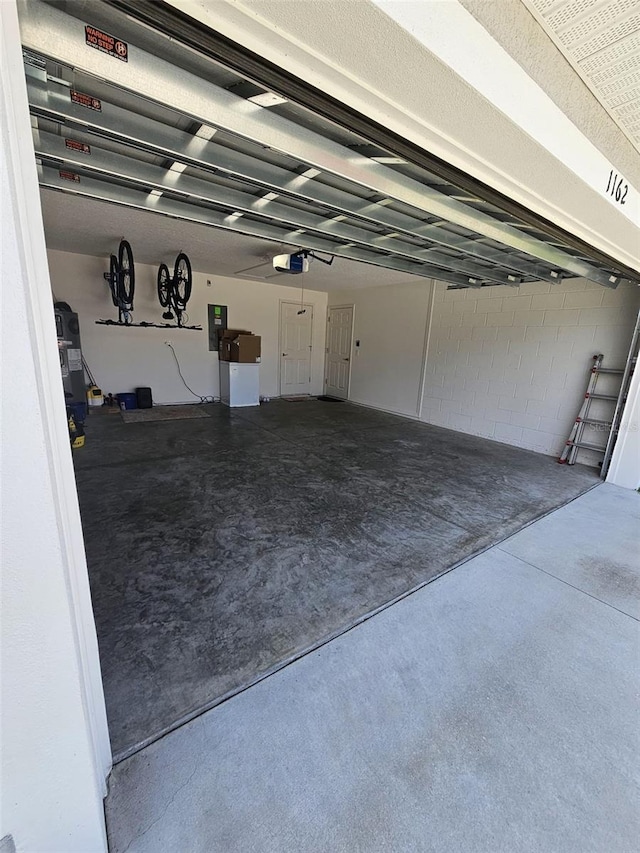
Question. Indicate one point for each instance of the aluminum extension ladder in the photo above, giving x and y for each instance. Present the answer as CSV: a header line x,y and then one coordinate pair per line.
x,y
611,427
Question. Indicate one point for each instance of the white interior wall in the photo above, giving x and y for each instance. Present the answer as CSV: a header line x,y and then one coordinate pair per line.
x,y
54,743
390,323
504,363
123,358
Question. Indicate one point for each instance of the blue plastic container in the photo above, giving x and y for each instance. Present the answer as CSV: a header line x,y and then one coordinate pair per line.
x,y
79,411
127,401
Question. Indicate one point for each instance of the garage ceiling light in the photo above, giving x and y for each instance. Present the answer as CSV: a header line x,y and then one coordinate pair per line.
x,y
233,216
156,193
389,160
310,173
177,167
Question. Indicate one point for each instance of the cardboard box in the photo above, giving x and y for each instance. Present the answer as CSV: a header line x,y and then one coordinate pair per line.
x,y
239,346
233,333
225,339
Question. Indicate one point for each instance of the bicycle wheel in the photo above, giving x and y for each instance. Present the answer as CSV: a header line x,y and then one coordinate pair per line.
x,y
164,285
114,279
182,280
127,273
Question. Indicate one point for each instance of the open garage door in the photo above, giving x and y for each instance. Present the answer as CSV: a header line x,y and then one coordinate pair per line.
x,y
165,126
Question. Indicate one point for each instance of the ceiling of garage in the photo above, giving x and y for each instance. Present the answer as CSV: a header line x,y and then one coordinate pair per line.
x,y
184,137
70,223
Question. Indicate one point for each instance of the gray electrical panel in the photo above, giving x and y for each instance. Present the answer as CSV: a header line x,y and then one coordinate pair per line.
x,y
217,316
70,351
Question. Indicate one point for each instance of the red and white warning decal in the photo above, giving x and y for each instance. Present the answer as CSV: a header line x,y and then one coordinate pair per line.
x,y
85,100
69,176
106,43
74,145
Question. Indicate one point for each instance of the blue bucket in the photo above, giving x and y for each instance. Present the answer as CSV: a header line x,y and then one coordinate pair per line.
x,y
127,401
79,411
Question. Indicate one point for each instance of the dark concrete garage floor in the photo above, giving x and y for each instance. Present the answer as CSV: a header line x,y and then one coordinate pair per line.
x,y
492,711
220,548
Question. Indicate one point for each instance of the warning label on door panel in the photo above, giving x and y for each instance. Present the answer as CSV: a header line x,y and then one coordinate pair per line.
x,y
69,176
78,146
106,43
86,100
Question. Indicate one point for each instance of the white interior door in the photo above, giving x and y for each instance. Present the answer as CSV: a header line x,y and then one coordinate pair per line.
x,y
295,348
338,357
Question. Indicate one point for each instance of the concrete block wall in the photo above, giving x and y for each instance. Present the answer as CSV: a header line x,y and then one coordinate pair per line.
x,y
512,363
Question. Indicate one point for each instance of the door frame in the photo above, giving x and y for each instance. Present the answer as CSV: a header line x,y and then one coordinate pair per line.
x,y
27,210
305,305
351,347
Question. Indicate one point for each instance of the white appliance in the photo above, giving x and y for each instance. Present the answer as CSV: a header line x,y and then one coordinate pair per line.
x,y
239,384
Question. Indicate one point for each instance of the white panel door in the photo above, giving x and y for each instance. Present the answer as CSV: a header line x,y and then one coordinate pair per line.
x,y
295,348
338,357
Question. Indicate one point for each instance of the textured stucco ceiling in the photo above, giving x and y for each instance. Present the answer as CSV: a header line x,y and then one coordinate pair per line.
x,y
90,227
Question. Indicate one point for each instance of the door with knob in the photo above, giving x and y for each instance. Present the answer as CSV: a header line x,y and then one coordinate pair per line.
x,y
338,354
296,330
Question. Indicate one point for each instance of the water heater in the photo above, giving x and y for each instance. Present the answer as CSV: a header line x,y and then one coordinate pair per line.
x,y
70,351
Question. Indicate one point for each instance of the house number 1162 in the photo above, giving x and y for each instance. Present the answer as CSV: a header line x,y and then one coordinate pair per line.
x,y
617,187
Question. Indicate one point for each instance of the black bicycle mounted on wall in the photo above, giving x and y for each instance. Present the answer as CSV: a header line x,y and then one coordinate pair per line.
x,y
174,292
122,282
